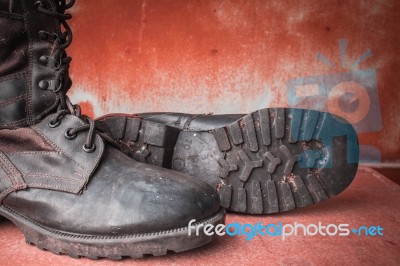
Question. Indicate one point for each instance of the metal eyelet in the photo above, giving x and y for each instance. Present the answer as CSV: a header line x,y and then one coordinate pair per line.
x,y
37,4
44,60
68,135
43,84
53,124
90,149
41,4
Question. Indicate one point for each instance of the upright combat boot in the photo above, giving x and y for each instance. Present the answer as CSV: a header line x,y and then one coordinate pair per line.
x,y
268,161
62,185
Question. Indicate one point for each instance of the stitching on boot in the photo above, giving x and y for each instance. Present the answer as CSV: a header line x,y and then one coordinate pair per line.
x,y
15,124
14,76
40,175
40,185
22,140
12,100
30,63
10,15
37,130
97,138
35,152
14,176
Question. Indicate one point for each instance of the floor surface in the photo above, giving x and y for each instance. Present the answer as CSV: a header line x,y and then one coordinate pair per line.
x,y
371,200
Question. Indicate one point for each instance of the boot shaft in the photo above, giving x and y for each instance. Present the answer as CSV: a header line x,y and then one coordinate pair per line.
x,y
32,59
13,40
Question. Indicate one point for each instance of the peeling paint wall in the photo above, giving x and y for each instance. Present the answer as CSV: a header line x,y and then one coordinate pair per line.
x,y
238,56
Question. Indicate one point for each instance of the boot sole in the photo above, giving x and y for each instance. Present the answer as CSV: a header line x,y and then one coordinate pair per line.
x,y
109,246
269,161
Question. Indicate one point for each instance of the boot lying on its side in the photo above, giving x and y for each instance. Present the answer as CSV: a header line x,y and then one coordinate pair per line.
x,y
268,161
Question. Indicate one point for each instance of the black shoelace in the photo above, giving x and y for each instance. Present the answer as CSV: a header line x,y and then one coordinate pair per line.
x,y
60,61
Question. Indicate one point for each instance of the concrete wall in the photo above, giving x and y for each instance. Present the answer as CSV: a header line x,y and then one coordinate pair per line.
x,y
231,56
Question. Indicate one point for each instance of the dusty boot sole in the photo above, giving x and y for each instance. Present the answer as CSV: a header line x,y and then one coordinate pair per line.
x,y
269,161
109,246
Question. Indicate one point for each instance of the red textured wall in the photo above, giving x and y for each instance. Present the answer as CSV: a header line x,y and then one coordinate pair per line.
x,y
238,56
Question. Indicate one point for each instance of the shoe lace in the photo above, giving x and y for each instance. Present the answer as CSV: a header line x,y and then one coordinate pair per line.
x,y
61,61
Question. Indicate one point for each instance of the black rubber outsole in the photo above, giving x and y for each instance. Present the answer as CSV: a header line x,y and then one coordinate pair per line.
x,y
269,161
109,246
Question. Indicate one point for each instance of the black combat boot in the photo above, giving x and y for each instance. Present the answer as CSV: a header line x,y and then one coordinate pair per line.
x,y
268,161
61,183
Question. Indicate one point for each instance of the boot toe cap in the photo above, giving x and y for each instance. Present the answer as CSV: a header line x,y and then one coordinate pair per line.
x,y
167,199
123,197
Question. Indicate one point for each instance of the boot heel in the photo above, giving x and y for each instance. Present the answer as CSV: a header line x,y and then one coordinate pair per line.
x,y
156,144
144,141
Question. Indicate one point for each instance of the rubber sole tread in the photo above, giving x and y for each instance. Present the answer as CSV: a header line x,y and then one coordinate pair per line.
x,y
258,168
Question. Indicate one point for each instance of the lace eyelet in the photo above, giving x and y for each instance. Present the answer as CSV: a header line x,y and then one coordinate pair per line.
x,y
53,124
37,4
59,87
43,60
43,35
40,4
43,84
68,135
90,149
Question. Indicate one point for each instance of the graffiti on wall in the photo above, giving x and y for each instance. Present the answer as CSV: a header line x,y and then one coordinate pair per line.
x,y
352,94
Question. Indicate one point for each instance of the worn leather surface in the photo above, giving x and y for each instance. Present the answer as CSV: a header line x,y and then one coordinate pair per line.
x,y
11,139
122,197
13,66
10,177
56,183
65,167
20,50
192,121
40,101
13,100
69,190
13,44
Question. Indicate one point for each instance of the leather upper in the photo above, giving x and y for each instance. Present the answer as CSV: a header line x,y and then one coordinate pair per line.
x,y
24,100
118,196
49,176
201,122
